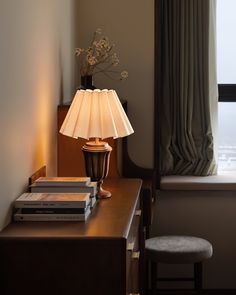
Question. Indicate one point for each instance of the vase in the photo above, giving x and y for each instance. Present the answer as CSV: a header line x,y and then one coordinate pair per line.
x,y
87,82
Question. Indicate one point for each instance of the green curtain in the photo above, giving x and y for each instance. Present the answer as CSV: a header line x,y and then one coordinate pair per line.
x,y
189,88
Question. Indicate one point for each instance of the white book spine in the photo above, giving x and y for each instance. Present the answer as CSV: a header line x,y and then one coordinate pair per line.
x,y
48,204
53,204
63,184
63,181
76,189
93,202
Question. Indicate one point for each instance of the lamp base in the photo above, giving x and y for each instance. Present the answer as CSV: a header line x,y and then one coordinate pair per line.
x,y
97,157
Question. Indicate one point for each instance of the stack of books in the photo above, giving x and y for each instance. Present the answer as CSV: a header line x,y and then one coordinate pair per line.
x,y
52,207
57,198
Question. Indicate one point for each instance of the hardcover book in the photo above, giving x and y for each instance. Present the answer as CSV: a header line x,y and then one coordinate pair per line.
x,y
91,188
53,200
19,216
53,210
63,181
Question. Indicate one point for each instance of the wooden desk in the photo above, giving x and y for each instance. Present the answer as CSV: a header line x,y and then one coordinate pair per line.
x,y
100,256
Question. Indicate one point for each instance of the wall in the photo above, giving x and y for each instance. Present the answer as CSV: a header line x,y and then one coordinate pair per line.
x,y
130,25
206,214
35,71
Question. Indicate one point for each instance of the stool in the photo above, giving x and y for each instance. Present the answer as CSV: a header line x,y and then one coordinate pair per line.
x,y
177,250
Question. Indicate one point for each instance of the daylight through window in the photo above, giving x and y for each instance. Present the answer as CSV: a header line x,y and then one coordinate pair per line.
x,y
226,72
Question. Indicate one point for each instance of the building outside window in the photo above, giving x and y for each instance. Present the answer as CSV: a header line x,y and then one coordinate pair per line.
x,y
226,73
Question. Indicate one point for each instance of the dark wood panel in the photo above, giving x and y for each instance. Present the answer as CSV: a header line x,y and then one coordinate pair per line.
x,y
39,173
76,257
63,267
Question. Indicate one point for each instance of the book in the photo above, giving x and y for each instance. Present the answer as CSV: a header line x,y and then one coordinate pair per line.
x,y
19,216
63,181
93,202
91,188
57,210
53,200
53,210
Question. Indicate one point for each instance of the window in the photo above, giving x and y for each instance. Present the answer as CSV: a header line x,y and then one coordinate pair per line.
x,y
226,72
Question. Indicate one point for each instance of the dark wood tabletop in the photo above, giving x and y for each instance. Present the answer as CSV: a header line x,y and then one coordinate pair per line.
x,y
109,218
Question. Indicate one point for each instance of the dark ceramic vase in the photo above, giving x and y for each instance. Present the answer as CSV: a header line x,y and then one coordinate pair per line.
x,y
87,82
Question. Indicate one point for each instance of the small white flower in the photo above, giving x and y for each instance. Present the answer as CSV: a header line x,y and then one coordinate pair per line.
x,y
78,51
104,43
124,74
91,59
89,50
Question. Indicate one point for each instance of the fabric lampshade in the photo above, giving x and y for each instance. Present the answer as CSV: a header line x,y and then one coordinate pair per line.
x,y
96,114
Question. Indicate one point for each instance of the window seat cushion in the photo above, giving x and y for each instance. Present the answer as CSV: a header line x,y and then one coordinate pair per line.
x,y
214,182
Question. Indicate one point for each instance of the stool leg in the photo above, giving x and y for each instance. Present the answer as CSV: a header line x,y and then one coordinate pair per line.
x,y
153,277
198,276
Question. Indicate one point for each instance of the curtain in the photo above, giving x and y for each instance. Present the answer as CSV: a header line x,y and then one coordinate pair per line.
x,y
189,99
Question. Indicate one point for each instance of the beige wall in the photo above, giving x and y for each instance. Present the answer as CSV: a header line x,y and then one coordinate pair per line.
x,y
130,25
35,43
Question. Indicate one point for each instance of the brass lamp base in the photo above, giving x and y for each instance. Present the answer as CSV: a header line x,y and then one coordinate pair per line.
x,y
97,158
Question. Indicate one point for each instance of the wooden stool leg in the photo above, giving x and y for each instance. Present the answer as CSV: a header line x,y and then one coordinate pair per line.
x,y
198,276
153,277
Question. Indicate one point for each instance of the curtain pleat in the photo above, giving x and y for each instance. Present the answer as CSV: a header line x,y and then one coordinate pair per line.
x,y
186,116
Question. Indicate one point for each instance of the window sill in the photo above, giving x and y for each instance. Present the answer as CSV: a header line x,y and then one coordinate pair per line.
x,y
220,182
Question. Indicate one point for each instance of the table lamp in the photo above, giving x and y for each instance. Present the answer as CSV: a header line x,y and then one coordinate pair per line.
x,y
95,115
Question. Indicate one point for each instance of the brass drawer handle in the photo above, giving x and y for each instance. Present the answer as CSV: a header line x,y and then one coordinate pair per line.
x,y
130,247
133,293
138,213
136,254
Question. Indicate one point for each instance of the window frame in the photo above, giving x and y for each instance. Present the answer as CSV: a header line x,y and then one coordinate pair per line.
x,y
227,92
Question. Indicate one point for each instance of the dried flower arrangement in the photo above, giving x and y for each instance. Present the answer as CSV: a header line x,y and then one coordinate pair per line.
x,y
99,58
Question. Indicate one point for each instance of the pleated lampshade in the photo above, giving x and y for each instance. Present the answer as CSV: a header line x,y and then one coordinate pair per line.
x,y
96,114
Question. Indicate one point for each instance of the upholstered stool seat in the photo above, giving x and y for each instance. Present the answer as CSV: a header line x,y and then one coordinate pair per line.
x,y
178,250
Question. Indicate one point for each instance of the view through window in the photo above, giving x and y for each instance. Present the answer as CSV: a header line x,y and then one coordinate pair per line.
x,y
226,72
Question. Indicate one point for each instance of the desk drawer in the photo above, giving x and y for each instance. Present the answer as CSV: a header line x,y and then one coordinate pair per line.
x,y
133,273
133,254
77,257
